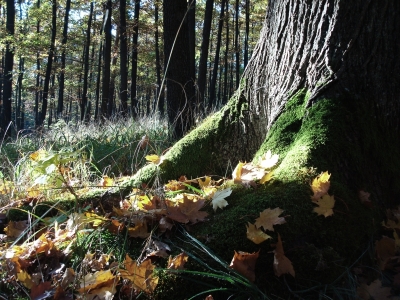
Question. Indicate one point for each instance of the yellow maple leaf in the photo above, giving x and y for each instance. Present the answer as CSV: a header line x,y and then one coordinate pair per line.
x,y
155,159
269,217
325,205
255,235
141,275
320,185
106,181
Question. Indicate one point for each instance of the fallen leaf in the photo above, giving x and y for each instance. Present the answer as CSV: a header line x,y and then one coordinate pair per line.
x,y
325,206
374,291
320,185
144,142
41,291
268,160
245,263
178,262
139,231
282,264
191,208
15,228
218,199
96,280
106,181
257,236
67,278
267,177
364,198
155,159
385,249
270,217
141,276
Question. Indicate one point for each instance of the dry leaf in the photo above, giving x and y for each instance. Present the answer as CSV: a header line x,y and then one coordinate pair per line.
x,y
15,228
282,264
96,280
41,291
385,249
364,198
270,217
245,263
106,181
257,236
140,230
374,291
155,159
141,276
178,262
320,185
325,206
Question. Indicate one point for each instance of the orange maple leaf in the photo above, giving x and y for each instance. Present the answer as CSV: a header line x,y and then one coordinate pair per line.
x,y
141,275
245,263
270,217
178,262
282,264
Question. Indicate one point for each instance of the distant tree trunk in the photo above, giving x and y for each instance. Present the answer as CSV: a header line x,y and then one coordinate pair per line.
x,y
49,63
246,36
84,102
112,99
224,98
191,16
160,88
105,100
202,76
134,102
60,103
99,68
123,89
18,110
211,100
8,69
237,48
37,86
180,89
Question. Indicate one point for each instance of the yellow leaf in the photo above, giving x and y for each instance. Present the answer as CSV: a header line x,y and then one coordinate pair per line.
x,y
106,181
204,183
268,160
155,159
140,230
269,217
325,205
320,185
26,279
257,236
96,280
237,172
267,177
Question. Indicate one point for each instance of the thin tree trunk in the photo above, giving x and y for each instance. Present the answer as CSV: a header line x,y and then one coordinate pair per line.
x,y
134,102
105,100
160,88
246,36
112,100
191,15
237,48
224,98
49,63
123,59
202,76
8,69
211,100
60,104
84,103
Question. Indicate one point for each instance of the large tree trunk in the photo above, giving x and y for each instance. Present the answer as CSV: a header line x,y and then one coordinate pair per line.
x,y
321,90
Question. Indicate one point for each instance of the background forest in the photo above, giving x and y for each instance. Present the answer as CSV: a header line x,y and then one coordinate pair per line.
x,y
79,60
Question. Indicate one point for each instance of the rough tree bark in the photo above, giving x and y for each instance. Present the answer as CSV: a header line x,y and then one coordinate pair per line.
x,y
321,90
